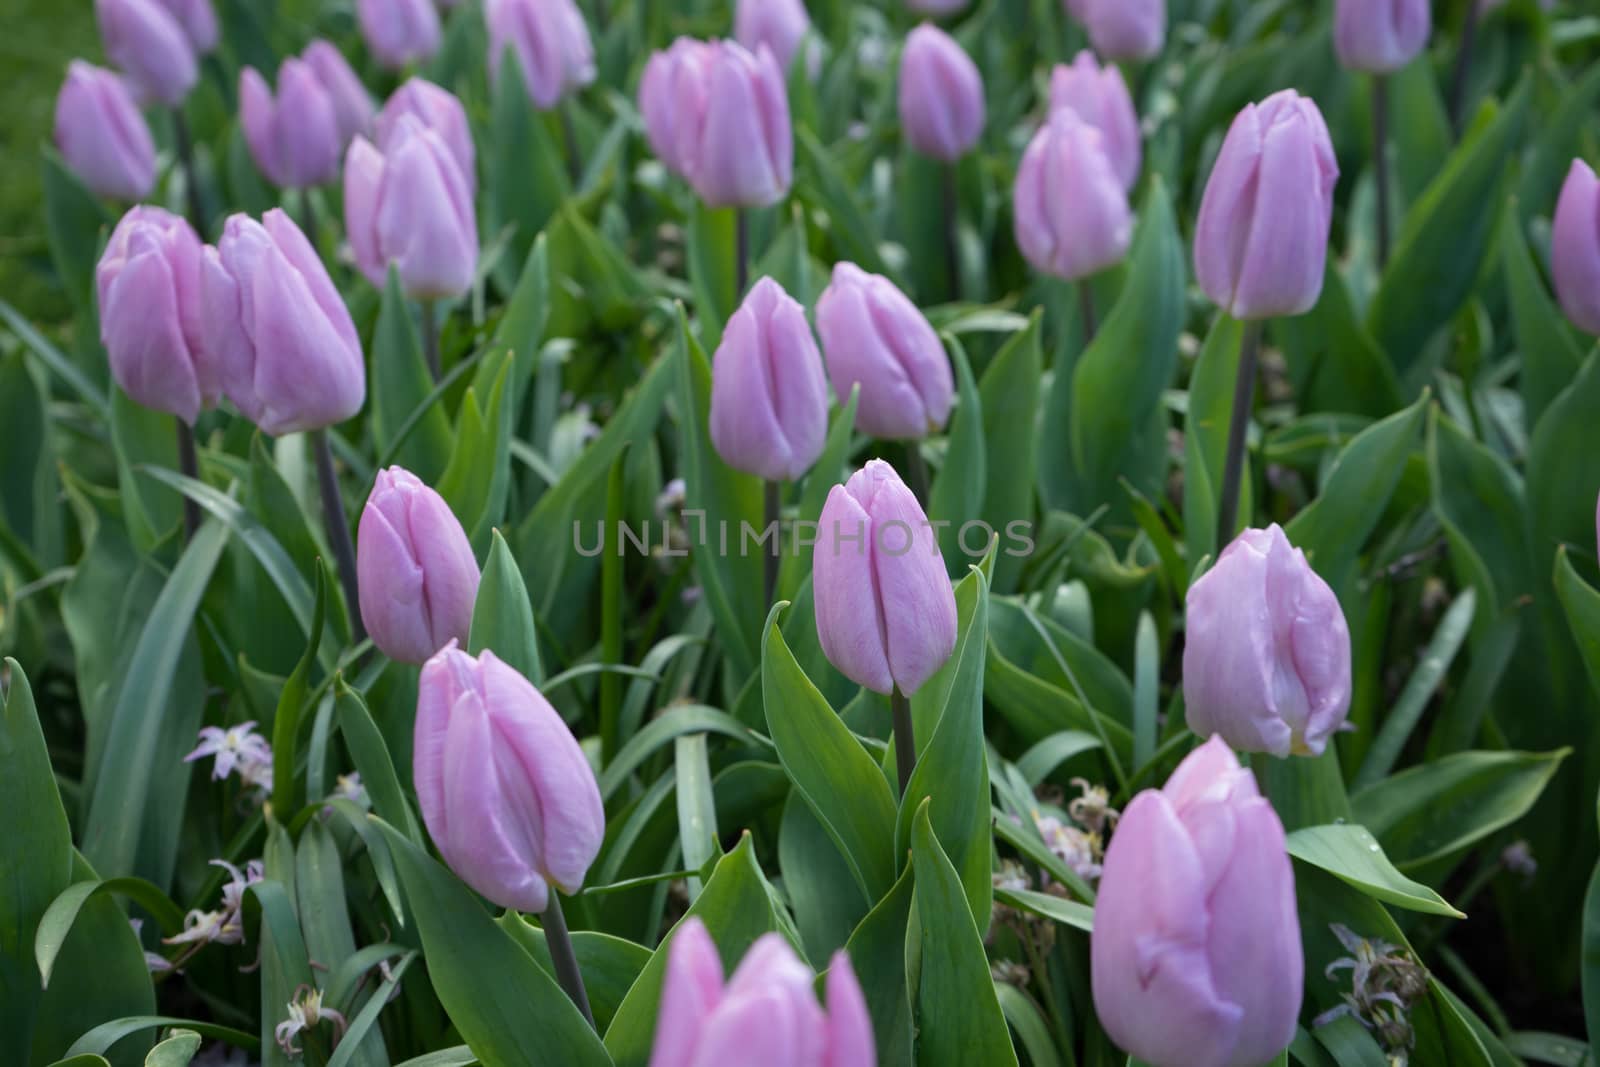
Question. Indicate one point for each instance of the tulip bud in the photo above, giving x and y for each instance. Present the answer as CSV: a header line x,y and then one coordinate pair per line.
x,y
418,579
440,111
143,39
1100,98
1266,660
199,22
151,315
769,398
885,611
399,32
1380,36
1261,241
1125,29
1070,209
766,1013
1575,247
352,106
506,793
874,336
102,136
287,350
781,25
719,115
1195,958
294,139
551,42
411,206
941,95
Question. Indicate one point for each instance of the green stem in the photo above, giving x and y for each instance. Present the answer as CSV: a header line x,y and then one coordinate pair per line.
x,y
189,467
905,739
741,254
1244,392
333,517
774,519
191,182
1380,161
565,959
430,340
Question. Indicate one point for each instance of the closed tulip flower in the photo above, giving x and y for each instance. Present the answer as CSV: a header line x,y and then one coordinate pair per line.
x,y
294,139
769,397
1575,247
874,336
411,206
506,793
766,1013
1126,29
287,349
1380,36
781,25
352,105
1100,98
440,111
1195,958
1070,208
101,134
941,95
199,22
144,40
551,43
151,315
417,575
1266,658
1261,241
886,614
399,32
719,115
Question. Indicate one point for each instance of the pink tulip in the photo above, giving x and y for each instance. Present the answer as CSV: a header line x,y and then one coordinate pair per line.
x,y
440,111
1070,209
294,139
781,25
941,95
352,104
1575,247
102,136
1380,36
150,46
551,43
1100,98
399,32
1125,29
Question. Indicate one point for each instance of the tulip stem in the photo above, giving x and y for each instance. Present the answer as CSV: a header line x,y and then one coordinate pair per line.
x,y
189,467
1086,311
1244,391
308,217
344,552
1380,161
917,472
952,229
191,183
430,340
774,524
905,738
741,254
569,134
1458,80
566,961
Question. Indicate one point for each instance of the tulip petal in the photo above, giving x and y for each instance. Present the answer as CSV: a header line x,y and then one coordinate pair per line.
x,y
690,990
850,1035
849,623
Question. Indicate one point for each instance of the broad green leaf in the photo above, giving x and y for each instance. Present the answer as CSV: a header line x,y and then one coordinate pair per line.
x,y
1068,912
176,1051
838,778
502,617
1561,488
105,1035
1009,394
371,756
1350,853
672,723
1205,440
285,963
143,437
1029,1025
522,323
90,392
400,385
524,179
329,938
75,222
509,1010
958,490
880,957
1582,605
479,474
697,807
711,238
1040,761
610,965
823,894
291,703
1550,353
959,1020
59,918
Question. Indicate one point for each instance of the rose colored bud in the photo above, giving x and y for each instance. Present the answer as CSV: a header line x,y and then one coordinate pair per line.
x,y
151,315
874,336
885,610
199,22
1125,29
143,39
289,356
1195,958
781,25
411,206
551,42
506,793
1266,661
1100,98
719,115
352,105
766,1013
101,134
399,32
440,111
769,397
937,8
1070,209
1261,241
417,575
1380,36
1575,247
295,138
941,95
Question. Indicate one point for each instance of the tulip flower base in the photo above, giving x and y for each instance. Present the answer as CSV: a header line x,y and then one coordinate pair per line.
x,y
784,623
